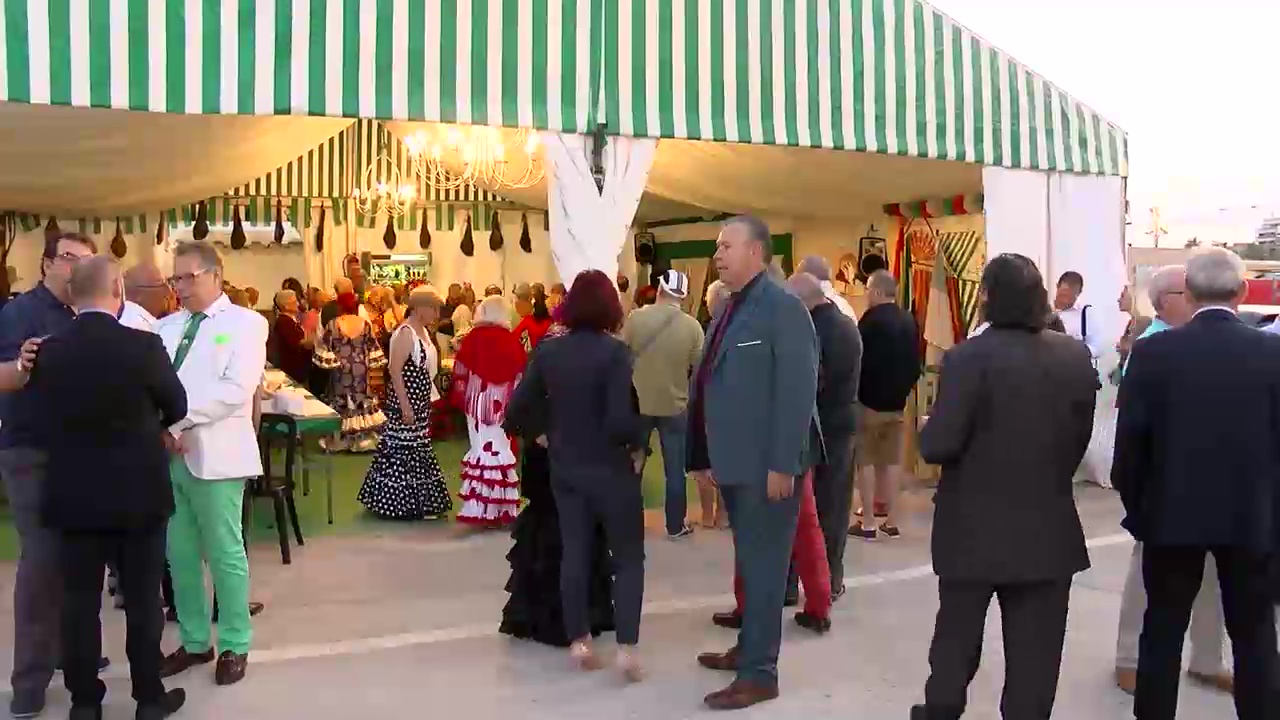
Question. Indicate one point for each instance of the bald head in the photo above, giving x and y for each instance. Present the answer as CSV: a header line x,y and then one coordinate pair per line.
x,y
343,285
95,284
807,288
817,267
881,288
145,285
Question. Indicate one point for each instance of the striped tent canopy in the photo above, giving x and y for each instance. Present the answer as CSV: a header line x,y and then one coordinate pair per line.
x,y
495,62
258,211
322,172
884,76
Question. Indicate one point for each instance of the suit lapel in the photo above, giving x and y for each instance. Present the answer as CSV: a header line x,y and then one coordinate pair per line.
x,y
733,333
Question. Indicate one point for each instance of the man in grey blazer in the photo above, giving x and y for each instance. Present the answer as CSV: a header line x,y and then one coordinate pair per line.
x,y
753,432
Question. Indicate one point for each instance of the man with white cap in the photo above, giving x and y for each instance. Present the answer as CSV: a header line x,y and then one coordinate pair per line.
x,y
666,344
821,269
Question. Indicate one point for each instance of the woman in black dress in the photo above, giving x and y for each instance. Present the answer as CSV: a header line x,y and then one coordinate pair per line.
x,y
579,387
533,612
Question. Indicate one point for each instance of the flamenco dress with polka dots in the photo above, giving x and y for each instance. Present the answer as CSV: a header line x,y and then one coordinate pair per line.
x,y
405,481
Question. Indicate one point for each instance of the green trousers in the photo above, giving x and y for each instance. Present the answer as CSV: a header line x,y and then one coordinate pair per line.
x,y
207,526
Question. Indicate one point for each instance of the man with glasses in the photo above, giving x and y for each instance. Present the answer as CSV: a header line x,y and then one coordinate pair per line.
x,y
24,322
1168,293
219,351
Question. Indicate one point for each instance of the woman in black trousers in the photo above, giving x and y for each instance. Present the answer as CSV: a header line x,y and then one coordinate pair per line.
x,y
581,384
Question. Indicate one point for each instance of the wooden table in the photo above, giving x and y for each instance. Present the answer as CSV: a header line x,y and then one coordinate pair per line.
x,y
315,419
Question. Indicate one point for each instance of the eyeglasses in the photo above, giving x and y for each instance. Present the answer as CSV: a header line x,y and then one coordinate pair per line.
x,y
69,258
186,278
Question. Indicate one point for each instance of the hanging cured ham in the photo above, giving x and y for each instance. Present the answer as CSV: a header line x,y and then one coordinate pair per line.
x,y
526,242
238,238
495,235
424,233
468,245
118,246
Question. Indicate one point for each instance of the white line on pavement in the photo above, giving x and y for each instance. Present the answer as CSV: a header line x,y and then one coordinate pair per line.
x,y
364,646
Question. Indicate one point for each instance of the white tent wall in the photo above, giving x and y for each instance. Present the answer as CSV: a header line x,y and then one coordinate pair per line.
x,y
1063,222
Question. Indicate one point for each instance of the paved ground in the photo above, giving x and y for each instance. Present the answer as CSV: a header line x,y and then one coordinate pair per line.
x,y
403,625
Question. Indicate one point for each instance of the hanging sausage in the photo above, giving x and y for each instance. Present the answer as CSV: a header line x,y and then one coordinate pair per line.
x,y
495,235
389,235
424,233
279,234
200,230
526,242
468,245
320,231
238,238
118,245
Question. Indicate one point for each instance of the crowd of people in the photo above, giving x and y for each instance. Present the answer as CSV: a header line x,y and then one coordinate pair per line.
x,y
779,411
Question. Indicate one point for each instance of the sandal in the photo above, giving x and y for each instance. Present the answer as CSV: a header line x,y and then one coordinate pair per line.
x,y
585,656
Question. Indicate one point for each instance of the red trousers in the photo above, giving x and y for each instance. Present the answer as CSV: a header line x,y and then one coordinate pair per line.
x,y
808,556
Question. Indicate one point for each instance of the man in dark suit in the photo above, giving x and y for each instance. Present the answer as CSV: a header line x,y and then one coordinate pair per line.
x,y
1011,422
839,367
106,394
753,431
1196,465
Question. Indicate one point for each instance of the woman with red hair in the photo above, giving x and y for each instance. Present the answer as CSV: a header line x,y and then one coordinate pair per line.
x,y
485,372
348,348
578,387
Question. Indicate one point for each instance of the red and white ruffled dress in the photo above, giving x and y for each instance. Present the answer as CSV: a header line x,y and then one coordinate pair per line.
x,y
485,373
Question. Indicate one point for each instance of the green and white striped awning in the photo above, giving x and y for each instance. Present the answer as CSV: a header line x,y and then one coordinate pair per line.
x,y
884,76
494,62
322,172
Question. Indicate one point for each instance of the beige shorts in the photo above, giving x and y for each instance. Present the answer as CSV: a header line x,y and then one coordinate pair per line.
x,y
879,438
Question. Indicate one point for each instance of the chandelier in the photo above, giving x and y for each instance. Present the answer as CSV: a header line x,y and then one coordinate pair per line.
x,y
383,190
453,156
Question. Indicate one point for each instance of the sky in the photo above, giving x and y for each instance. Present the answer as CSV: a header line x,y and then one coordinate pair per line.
x,y
1194,84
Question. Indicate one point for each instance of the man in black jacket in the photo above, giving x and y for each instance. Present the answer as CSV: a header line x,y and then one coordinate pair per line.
x,y
890,369
1011,421
839,362
106,393
1197,469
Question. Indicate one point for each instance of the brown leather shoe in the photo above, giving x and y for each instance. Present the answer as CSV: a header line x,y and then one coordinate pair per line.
x,y
180,661
231,668
1222,682
1127,679
724,662
731,620
740,694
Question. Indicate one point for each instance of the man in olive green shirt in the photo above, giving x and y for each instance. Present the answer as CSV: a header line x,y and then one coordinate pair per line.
x,y
665,345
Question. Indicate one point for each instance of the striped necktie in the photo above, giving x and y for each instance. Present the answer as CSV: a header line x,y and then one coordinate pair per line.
x,y
188,336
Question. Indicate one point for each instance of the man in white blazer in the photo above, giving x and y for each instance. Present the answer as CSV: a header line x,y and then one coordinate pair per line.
x,y
219,351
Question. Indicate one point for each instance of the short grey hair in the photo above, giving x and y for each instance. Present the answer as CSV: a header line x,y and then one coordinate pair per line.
x,y
93,277
1214,275
493,310
757,232
883,282
816,266
202,251
1162,281
717,297
806,287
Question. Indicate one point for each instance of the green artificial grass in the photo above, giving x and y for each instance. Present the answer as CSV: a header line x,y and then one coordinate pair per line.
x,y
349,516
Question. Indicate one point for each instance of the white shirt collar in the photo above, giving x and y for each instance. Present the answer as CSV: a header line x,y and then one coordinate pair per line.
x,y
222,303
1209,308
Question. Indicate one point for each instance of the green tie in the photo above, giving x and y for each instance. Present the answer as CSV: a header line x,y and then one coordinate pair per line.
x,y
188,336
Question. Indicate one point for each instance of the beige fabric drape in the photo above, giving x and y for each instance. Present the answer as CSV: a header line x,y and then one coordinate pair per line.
x,y
79,162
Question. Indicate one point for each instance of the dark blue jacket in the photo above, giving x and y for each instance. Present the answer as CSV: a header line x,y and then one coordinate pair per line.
x,y
1197,455
578,387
